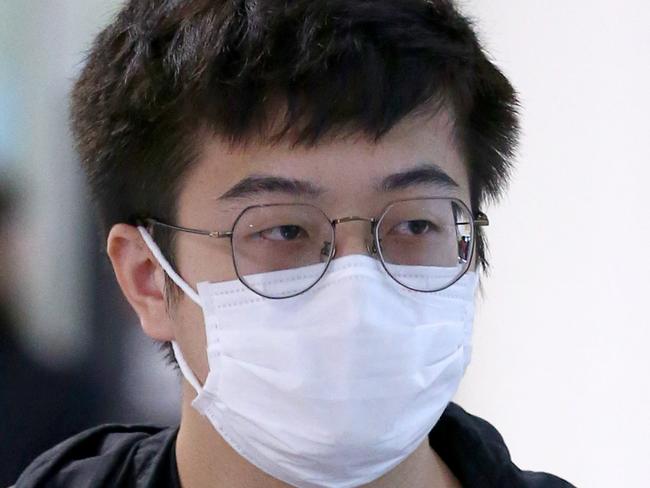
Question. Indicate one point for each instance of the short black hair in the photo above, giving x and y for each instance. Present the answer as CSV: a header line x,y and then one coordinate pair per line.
x,y
166,71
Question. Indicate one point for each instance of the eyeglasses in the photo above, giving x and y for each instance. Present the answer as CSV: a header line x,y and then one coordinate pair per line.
x,y
410,237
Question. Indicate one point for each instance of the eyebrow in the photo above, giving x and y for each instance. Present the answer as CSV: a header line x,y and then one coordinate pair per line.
x,y
425,173
257,184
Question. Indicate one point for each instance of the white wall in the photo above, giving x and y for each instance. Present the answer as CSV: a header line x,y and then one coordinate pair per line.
x,y
561,364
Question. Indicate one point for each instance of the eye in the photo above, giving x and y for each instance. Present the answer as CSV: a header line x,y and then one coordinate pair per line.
x,y
413,227
283,233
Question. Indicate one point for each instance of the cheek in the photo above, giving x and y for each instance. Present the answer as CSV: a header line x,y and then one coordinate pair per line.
x,y
198,259
189,330
202,258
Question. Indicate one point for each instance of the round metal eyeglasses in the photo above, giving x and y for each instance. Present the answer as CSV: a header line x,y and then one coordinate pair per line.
x,y
424,244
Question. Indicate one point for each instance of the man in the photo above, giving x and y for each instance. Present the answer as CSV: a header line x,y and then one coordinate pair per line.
x,y
292,197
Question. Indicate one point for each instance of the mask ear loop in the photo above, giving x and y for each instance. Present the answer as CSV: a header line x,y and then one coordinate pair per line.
x,y
189,291
175,277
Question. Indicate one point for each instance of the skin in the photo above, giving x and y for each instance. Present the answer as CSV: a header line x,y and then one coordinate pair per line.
x,y
348,169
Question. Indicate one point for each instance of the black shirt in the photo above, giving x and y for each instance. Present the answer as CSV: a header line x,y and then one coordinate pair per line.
x,y
33,419
144,456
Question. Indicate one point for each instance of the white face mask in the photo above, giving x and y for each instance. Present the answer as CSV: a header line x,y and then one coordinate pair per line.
x,y
337,386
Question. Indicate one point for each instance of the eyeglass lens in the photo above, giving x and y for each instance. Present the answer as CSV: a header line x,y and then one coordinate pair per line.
x,y
282,237
425,244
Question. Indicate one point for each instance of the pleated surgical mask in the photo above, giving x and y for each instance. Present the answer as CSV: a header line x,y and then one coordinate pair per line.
x,y
337,386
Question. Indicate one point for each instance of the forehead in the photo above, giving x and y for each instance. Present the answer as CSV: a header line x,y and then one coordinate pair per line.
x,y
348,169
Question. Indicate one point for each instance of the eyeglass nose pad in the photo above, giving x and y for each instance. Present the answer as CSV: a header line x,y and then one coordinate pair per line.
x,y
371,247
327,249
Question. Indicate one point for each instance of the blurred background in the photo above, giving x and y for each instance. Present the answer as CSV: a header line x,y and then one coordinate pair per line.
x,y
72,354
561,361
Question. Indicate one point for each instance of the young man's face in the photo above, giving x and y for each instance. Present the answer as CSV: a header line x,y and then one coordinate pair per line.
x,y
349,173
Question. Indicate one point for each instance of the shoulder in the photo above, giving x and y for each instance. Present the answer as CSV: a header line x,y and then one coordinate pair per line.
x,y
477,454
109,455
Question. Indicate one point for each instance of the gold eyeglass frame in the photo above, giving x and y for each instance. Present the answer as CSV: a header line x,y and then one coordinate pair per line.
x,y
478,220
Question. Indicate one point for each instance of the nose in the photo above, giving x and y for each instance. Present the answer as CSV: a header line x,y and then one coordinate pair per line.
x,y
353,238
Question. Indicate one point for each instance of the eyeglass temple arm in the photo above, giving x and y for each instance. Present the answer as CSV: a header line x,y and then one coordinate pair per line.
x,y
480,220
214,233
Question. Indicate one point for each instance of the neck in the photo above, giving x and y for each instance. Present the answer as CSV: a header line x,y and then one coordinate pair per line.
x,y
205,460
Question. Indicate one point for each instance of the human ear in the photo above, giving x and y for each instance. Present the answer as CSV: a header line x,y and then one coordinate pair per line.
x,y
141,279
